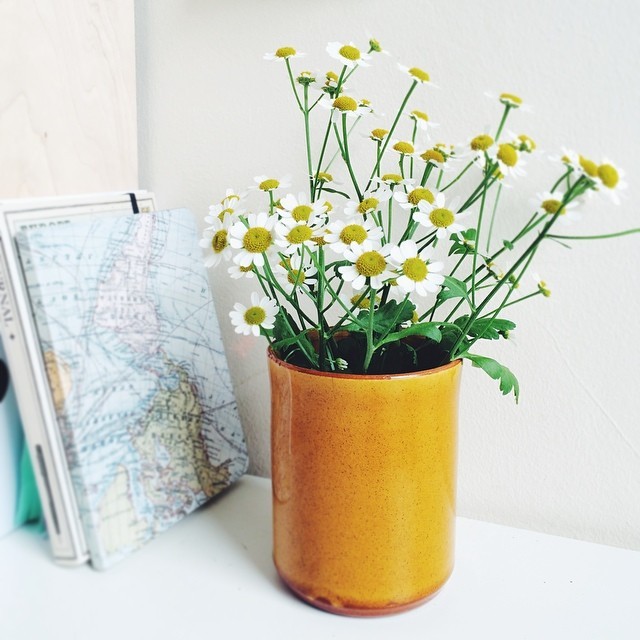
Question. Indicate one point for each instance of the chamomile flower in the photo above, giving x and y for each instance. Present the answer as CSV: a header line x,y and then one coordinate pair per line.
x,y
435,215
403,147
376,47
342,234
369,266
416,74
266,183
253,239
223,212
371,201
307,77
236,271
422,120
551,203
388,181
611,180
215,242
436,157
414,197
348,54
283,53
301,209
510,162
292,235
417,272
522,142
344,105
231,196
260,315
327,178
378,135
294,273
542,286
510,100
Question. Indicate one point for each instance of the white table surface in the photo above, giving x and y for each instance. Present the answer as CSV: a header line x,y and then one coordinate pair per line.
x,y
211,577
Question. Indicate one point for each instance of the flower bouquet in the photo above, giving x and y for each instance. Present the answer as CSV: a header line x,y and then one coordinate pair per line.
x,y
396,270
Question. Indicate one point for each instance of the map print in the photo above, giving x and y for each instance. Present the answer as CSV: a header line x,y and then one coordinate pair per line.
x,y
138,376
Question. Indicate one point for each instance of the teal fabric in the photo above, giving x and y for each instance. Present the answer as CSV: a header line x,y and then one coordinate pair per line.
x,y
28,506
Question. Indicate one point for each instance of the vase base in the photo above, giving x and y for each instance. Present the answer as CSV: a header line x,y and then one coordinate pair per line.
x,y
359,611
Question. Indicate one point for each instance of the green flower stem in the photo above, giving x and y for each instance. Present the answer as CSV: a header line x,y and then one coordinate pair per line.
x,y
599,237
308,140
389,219
341,80
322,152
337,153
493,216
271,203
426,173
350,314
387,138
320,301
457,177
378,156
313,106
439,178
507,108
512,288
413,141
475,246
370,346
293,84
393,324
509,304
401,164
561,178
525,255
346,157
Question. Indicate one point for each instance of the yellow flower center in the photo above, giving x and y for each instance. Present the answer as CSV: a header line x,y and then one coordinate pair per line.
x,y
364,102
293,277
432,154
481,142
370,264
331,76
394,178
419,74
441,218
319,240
269,185
285,52
257,240
345,103
255,315
553,206
379,134
219,241
353,233
299,234
509,97
224,213
349,52
368,204
527,141
419,194
325,177
609,175
364,303
508,155
301,213
246,269
589,166
233,196
420,115
415,269
403,147
328,206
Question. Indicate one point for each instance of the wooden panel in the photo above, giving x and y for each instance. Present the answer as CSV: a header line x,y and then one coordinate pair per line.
x,y
67,97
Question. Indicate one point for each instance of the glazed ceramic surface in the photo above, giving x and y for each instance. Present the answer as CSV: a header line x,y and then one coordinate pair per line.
x,y
364,472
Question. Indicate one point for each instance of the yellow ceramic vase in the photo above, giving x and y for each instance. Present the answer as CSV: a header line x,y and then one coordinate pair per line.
x,y
364,484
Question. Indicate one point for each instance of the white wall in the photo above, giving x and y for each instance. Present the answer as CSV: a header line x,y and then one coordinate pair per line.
x,y
67,97
212,115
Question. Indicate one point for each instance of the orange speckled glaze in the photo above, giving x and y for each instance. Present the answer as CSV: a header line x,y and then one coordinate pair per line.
x,y
364,473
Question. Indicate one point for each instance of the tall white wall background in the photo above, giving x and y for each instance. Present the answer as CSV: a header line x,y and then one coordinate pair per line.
x,y
212,114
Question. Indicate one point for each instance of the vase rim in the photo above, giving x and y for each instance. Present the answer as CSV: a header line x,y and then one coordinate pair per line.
x,y
360,376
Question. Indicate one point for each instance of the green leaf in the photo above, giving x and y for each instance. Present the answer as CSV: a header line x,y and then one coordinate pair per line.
x,y
427,329
288,339
508,382
388,316
454,288
342,193
486,328
458,245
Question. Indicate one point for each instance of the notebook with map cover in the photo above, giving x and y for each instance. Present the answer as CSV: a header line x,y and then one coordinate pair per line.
x,y
138,378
